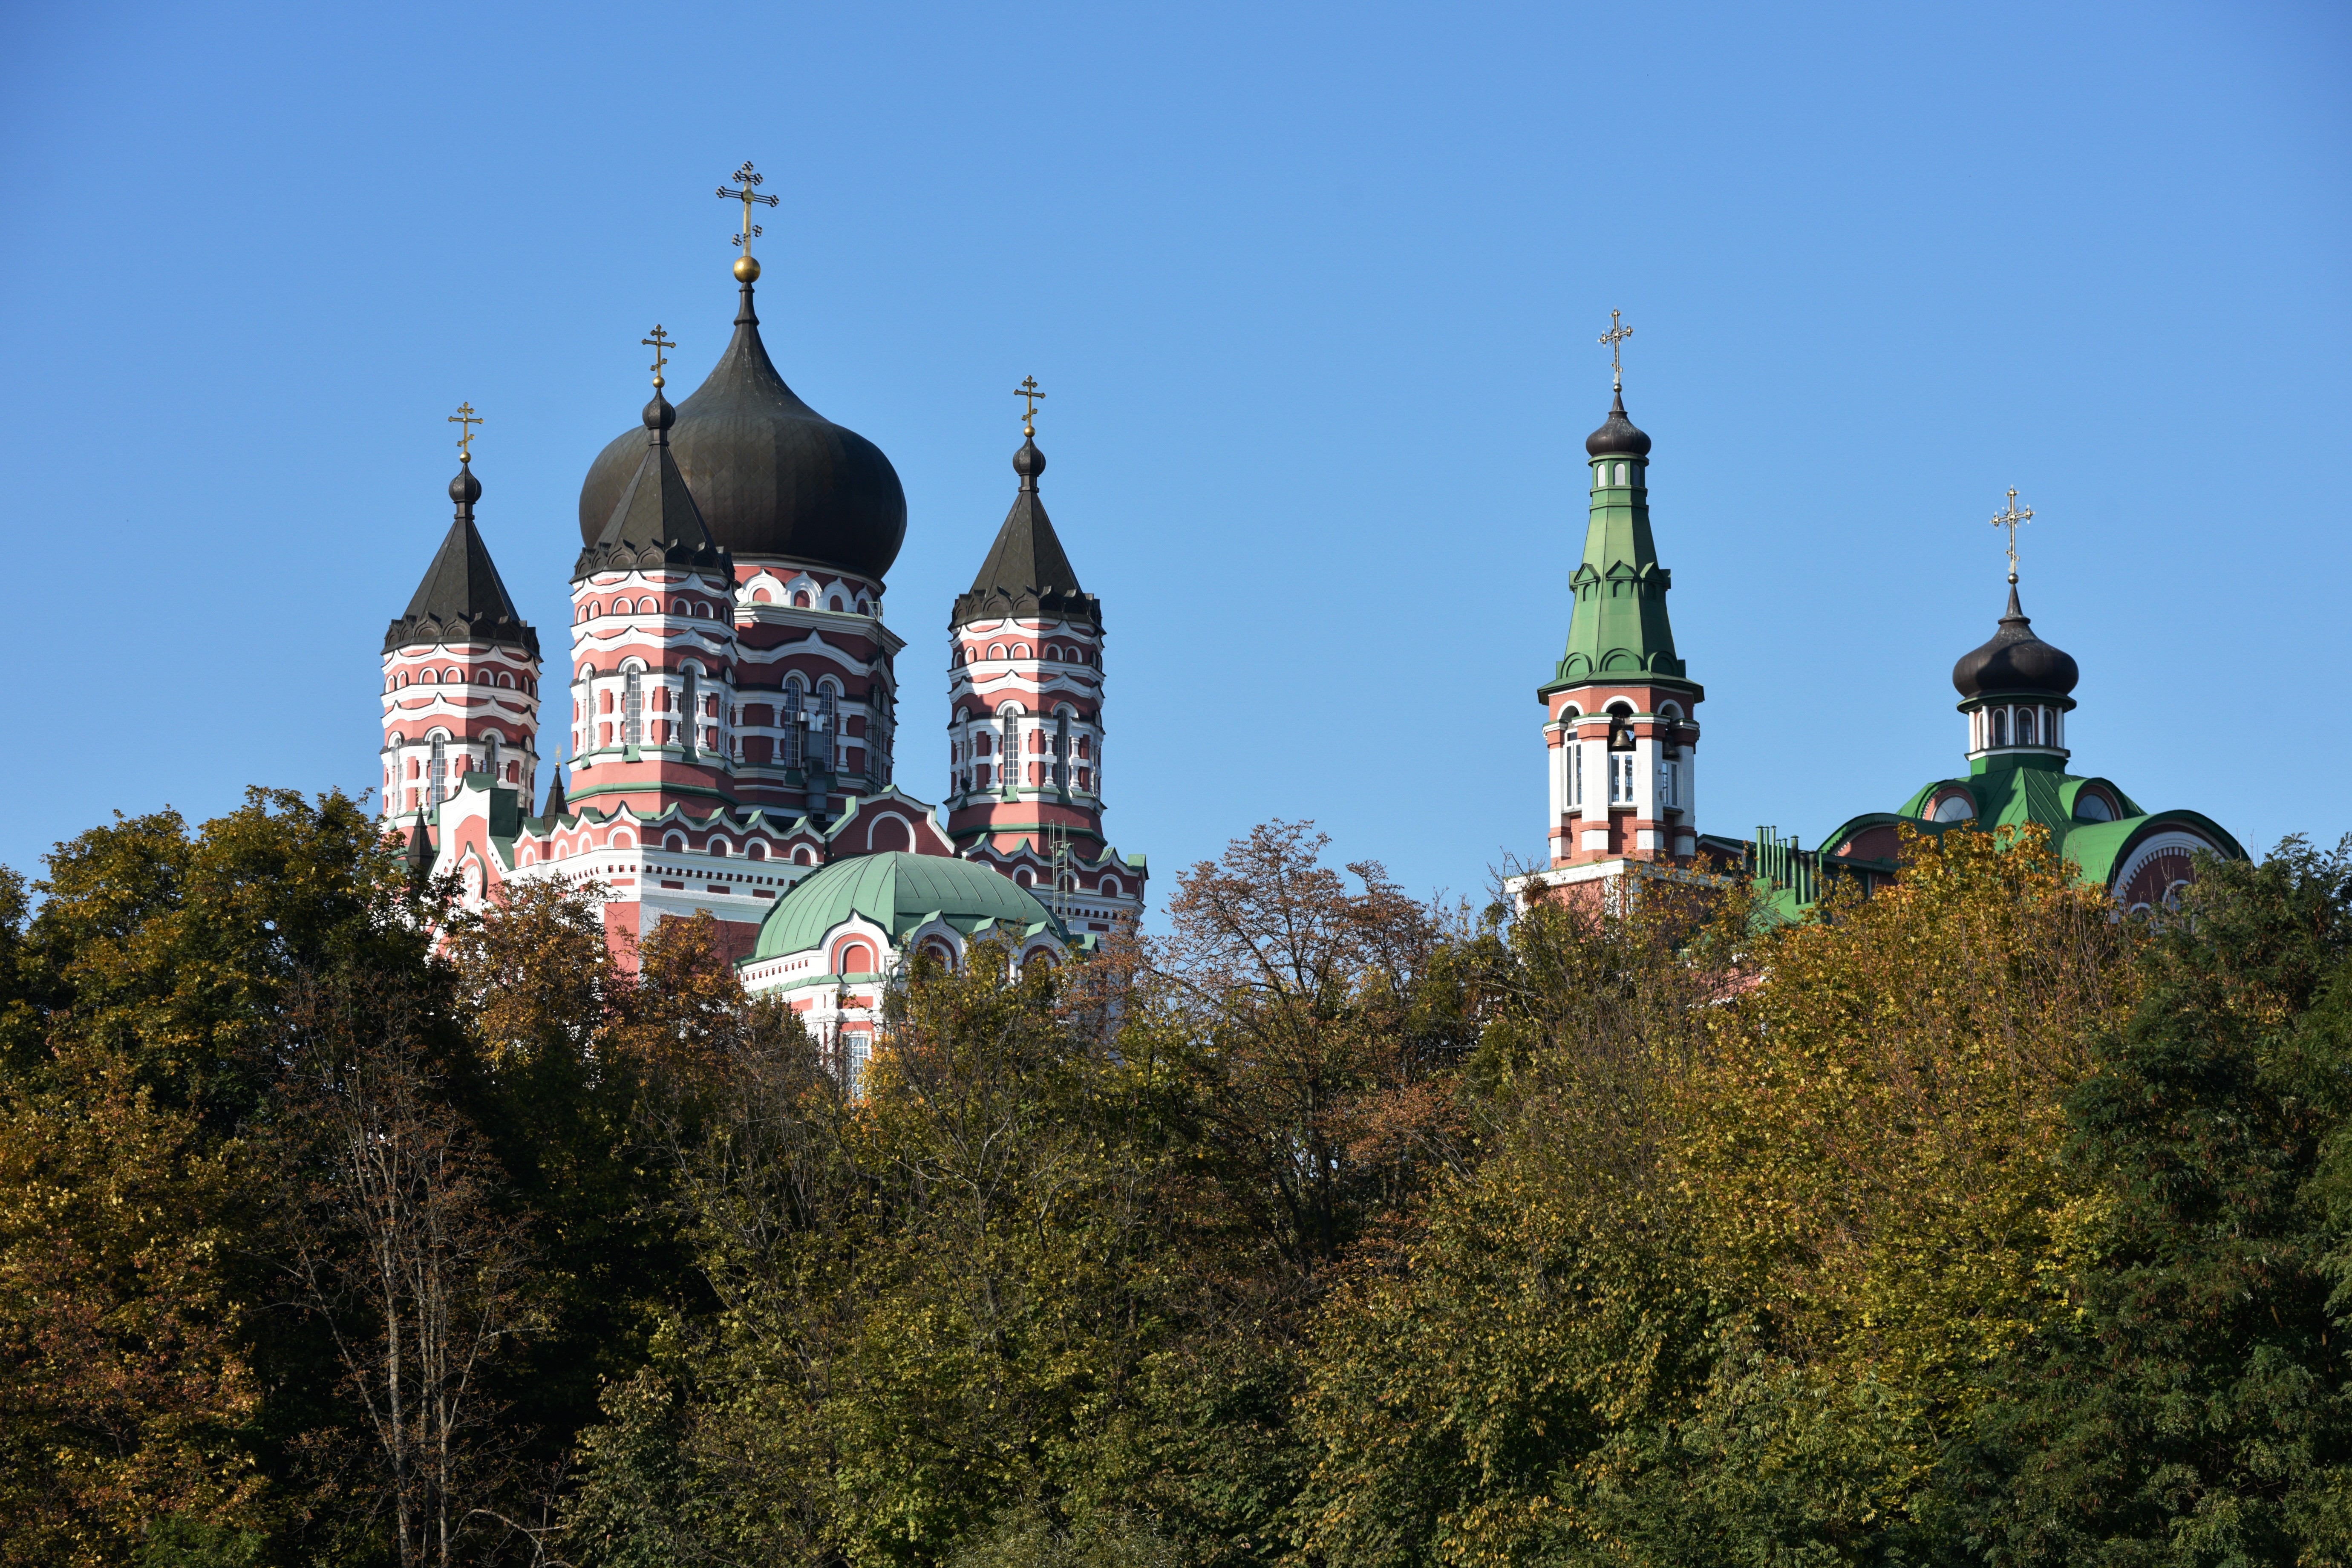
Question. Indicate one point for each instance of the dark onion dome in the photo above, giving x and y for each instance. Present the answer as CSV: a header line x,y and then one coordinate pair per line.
x,y
1027,572
1618,438
772,475
2015,661
462,598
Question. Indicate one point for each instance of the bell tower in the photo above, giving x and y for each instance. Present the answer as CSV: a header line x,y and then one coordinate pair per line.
x,y
1025,713
1621,727
460,673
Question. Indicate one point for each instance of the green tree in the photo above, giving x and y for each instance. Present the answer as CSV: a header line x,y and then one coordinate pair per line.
x,y
2183,1400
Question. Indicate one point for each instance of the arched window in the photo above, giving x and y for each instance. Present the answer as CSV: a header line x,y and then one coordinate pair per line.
x,y
828,719
2025,726
633,707
800,600
1110,887
495,770
483,678
720,848
833,603
452,676
791,722
939,952
865,605
1954,808
1061,750
1620,473
996,650
1021,875
755,850
1021,650
803,856
507,682
854,958
436,773
674,843
623,840
693,706
428,678
759,596
1999,727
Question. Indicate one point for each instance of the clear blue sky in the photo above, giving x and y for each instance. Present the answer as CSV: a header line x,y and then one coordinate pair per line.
x,y
1313,291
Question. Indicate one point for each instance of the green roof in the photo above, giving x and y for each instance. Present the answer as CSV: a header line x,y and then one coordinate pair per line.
x,y
1619,628
897,891
2010,793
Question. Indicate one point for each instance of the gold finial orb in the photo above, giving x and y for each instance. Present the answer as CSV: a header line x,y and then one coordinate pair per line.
x,y
747,270
659,383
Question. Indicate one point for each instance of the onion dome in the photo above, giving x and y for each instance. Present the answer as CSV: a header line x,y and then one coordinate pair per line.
x,y
1027,572
773,477
462,598
2015,661
655,522
899,891
1618,436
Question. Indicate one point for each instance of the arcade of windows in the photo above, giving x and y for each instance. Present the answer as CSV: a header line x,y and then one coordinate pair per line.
x,y
982,752
1624,761
2016,724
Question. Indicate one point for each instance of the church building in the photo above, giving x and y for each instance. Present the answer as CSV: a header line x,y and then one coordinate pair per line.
x,y
730,704
1621,738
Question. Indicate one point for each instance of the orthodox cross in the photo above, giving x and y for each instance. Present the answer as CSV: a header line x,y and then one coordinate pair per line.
x,y
661,343
1028,389
2010,519
747,196
465,419
1617,334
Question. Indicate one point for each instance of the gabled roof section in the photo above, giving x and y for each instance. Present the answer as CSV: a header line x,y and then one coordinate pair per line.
x,y
462,597
1027,572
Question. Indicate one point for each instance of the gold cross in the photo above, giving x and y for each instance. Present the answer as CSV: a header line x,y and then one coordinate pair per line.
x,y
2010,519
747,196
661,343
1028,389
1617,334
465,419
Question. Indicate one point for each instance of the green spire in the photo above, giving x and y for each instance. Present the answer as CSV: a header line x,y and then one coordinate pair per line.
x,y
1619,629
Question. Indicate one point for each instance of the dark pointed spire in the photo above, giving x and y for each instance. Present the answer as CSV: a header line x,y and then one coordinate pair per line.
x,y
655,520
461,598
1027,572
556,803
419,854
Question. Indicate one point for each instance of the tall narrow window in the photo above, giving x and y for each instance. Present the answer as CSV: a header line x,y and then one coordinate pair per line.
x,y
1575,772
693,709
436,773
790,742
1012,747
497,775
1621,778
828,714
1999,727
633,707
2025,726
1061,751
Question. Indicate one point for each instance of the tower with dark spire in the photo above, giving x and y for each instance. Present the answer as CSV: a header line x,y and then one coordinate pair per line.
x,y
460,674
1621,730
1025,726
653,640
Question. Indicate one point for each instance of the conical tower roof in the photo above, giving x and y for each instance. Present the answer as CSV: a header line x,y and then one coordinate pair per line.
x,y
1027,572
1619,629
462,598
655,521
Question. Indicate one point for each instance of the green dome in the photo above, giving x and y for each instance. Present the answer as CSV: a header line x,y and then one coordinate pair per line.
x,y
897,891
